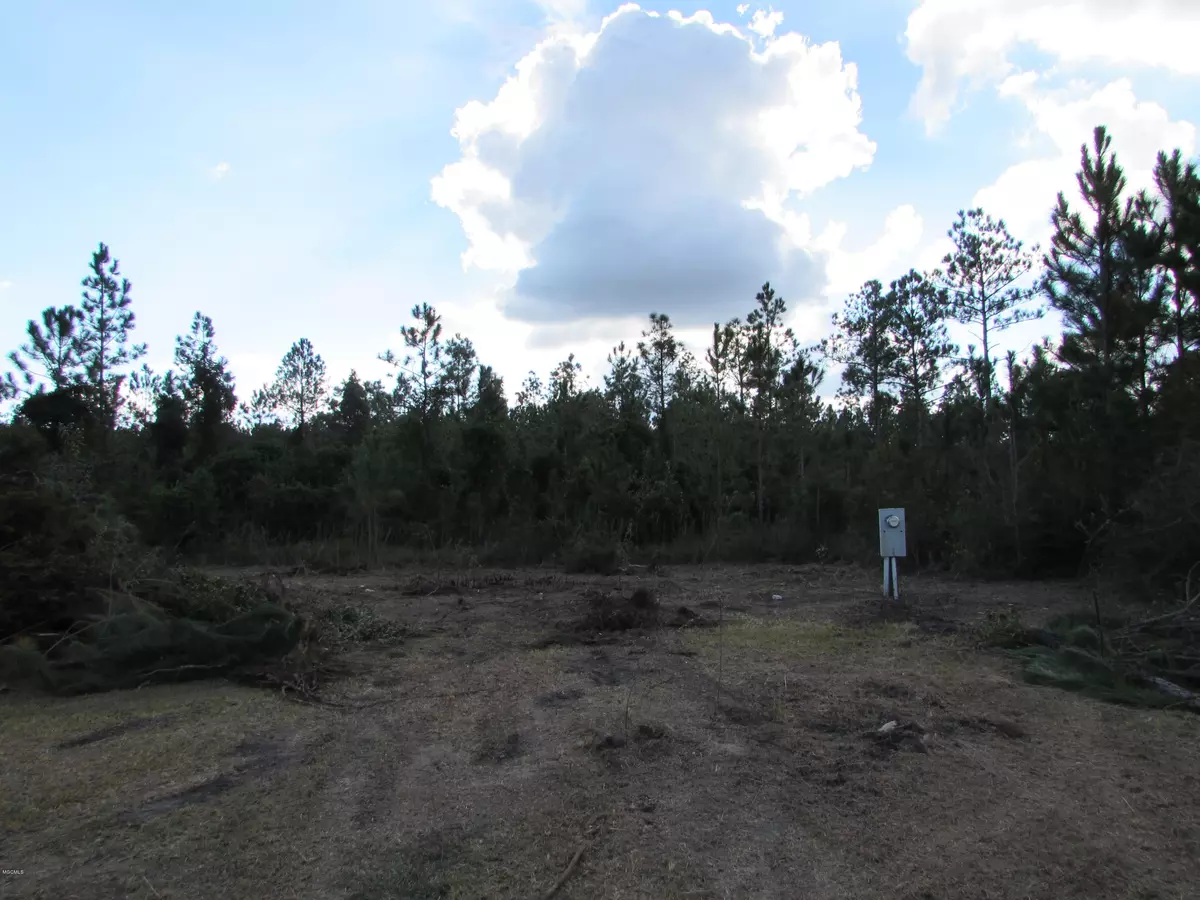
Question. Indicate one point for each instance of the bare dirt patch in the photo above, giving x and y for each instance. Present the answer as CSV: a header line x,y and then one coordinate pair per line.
x,y
809,744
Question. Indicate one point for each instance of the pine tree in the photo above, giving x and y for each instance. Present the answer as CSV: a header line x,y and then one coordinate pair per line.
x,y
145,386
300,383
624,386
862,341
53,350
1088,281
1144,283
458,372
801,405
418,384
719,356
1082,278
564,380
207,383
170,426
380,401
919,336
261,410
531,393
740,360
765,334
983,278
766,337
352,409
107,319
490,403
1179,186
659,352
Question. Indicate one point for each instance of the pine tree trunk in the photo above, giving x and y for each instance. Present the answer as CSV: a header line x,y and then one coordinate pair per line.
x,y
720,487
1014,509
761,516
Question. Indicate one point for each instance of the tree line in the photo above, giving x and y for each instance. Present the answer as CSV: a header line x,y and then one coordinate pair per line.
x,y
1081,452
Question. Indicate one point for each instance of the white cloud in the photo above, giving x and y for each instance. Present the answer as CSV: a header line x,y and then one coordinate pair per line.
x,y
219,171
887,258
1025,193
741,10
653,165
764,23
5,285
972,41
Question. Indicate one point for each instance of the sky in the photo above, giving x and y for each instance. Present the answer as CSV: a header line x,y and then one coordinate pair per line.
x,y
546,174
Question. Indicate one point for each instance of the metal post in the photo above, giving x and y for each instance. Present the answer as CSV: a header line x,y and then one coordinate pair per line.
x,y
886,573
895,581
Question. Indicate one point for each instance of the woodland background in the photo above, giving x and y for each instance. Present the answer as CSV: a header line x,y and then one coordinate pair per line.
x,y
1080,456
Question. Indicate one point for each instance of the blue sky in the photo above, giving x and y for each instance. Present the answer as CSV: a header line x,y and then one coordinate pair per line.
x,y
283,166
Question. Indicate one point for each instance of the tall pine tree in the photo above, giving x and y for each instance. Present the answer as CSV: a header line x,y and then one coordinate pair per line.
x,y
300,383
104,348
208,387
983,277
862,341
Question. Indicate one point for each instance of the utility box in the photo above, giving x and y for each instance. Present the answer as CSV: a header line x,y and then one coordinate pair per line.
x,y
891,533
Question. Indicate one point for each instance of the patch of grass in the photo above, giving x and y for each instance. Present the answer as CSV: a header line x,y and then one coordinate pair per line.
x,y
405,879
1001,628
359,624
798,637
44,789
433,868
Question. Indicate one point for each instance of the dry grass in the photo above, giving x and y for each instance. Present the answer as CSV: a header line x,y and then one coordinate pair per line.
x,y
694,762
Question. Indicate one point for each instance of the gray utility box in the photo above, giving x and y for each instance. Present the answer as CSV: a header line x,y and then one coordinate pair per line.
x,y
891,533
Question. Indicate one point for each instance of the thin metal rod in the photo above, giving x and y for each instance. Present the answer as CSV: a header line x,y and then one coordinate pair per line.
x,y
895,580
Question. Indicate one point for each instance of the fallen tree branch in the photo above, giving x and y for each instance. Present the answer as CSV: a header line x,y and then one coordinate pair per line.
x,y
1188,594
149,676
1183,695
562,879
587,842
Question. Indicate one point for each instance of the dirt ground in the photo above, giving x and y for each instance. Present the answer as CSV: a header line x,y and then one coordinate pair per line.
x,y
735,753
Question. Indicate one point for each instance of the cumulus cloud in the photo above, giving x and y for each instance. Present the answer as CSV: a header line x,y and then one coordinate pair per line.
x,y
219,171
764,22
604,333
1025,193
655,164
971,42
885,258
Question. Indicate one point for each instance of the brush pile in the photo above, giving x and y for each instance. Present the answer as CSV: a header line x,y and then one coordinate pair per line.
x,y
85,606
1152,662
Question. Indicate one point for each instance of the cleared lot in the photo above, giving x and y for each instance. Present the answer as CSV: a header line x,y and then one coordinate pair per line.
x,y
734,751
